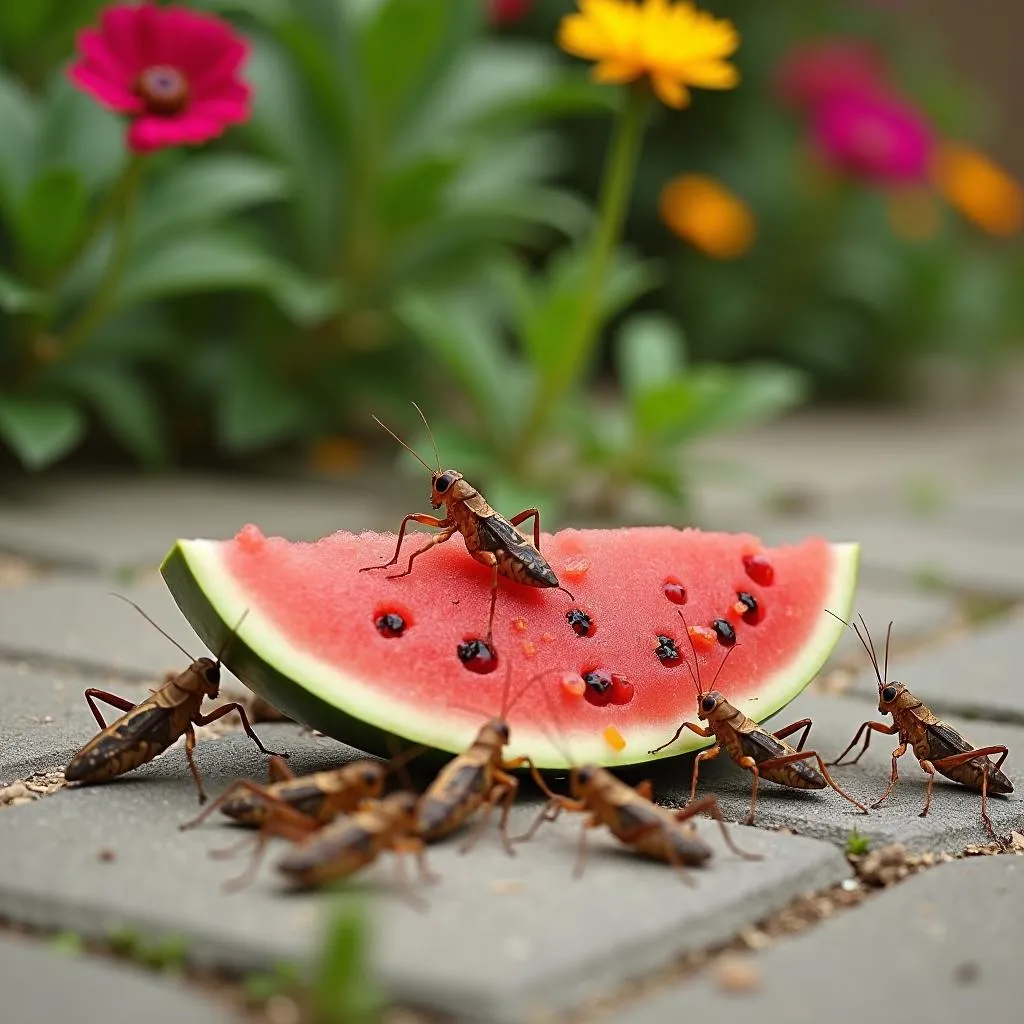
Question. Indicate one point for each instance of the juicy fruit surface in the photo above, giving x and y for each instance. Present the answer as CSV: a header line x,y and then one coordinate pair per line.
x,y
608,672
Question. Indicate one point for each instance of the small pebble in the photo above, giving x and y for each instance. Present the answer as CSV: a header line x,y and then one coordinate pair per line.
x,y
737,974
106,855
12,792
18,801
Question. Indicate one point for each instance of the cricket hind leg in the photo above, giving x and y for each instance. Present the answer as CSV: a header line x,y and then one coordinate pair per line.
x,y
788,730
414,517
958,759
806,755
521,517
92,695
503,792
711,806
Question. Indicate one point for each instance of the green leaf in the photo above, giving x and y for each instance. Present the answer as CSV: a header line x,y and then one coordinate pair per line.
x,y
16,297
407,47
413,193
463,335
560,294
19,123
51,216
40,430
257,409
75,131
650,350
125,405
204,188
344,991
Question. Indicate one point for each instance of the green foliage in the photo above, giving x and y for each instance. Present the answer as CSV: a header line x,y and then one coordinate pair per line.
x,y
405,217
856,844
344,991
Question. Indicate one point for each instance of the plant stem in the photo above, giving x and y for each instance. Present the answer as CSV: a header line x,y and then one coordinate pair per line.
x,y
616,187
96,309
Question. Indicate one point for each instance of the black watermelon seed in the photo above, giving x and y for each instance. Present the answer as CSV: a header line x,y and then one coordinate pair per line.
x,y
726,634
666,651
390,625
477,656
580,622
750,603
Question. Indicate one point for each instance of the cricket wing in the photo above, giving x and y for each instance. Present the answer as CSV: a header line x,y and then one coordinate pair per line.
x,y
134,739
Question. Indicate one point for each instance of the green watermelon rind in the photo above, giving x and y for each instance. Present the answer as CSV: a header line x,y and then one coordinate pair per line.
x,y
350,709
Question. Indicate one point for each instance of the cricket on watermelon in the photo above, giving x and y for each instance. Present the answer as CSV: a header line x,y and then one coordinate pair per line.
x,y
364,658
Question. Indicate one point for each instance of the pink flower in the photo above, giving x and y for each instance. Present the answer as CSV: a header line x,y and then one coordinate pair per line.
x,y
175,72
504,12
873,135
814,72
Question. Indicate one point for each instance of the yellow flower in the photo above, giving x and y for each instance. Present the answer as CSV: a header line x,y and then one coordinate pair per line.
x,y
981,190
706,214
673,43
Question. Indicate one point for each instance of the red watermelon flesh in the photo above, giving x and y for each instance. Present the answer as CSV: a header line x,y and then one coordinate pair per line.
x,y
318,645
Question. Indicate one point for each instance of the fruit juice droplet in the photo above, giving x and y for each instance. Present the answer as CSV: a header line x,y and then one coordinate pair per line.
x,y
613,738
576,567
759,569
477,656
250,538
675,591
704,638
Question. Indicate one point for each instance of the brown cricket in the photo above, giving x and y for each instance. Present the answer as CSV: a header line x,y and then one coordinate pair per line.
x,y
355,841
478,778
490,538
937,746
147,729
764,754
632,816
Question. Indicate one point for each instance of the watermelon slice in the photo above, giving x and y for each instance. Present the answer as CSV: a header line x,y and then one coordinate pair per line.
x,y
362,657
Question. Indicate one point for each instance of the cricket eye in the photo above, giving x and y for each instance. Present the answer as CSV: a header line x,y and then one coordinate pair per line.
x,y
212,675
708,704
443,482
584,776
889,693
370,777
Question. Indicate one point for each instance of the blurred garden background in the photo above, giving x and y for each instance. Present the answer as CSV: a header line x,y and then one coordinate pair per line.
x,y
432,201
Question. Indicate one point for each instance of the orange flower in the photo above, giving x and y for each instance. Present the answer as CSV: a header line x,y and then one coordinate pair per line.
x,y
673,43
979,188
705,213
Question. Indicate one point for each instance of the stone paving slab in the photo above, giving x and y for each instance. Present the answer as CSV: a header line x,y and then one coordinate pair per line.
x,y
75,620
977,674
895,547
918,613
953,822
42,986
110,524
942,946
501,935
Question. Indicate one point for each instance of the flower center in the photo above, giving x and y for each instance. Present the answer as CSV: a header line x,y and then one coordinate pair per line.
x,y
163,89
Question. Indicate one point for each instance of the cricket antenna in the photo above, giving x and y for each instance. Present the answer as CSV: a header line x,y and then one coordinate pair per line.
x,y
885,666
696,663
159,629
231,638
864,643
403,444
722,665
437,458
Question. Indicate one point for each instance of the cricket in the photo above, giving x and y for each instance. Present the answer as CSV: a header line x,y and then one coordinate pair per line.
x,y
764,754
147,729
939,748
490,538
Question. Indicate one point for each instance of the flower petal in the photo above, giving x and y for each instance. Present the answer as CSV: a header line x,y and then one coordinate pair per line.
x,y
221,70
108,93
617,71
229,110
582,38
149,132
97,55
119,31
712,74
151,41
670,90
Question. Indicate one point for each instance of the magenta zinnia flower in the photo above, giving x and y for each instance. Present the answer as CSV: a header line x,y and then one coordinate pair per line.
x,y
815,71
504,12
873,135
175,72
